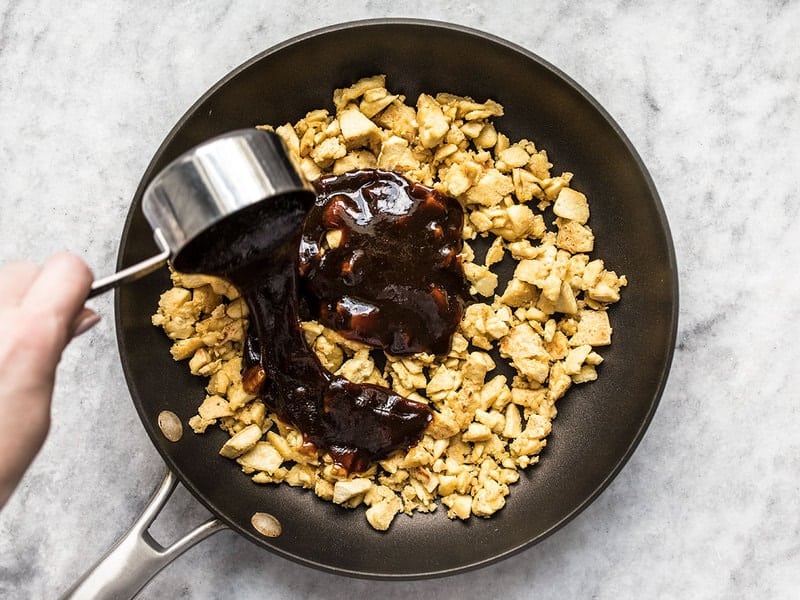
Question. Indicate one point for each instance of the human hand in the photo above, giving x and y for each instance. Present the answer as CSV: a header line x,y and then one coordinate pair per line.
x,y
41,310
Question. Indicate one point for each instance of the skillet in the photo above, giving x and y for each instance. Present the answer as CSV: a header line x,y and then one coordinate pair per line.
x,y
599,424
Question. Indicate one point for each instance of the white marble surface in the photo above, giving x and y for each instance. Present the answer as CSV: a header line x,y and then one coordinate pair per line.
x,y
709,505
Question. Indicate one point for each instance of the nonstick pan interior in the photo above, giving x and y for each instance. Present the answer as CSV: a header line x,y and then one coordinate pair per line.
x,y
598,425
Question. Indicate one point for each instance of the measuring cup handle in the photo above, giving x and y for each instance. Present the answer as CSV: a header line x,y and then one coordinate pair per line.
x,y
136,271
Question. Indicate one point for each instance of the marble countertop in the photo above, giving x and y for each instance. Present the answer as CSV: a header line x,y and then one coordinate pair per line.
x,y
708,506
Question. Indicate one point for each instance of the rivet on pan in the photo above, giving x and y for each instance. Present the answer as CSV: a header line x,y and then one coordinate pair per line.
x,y
266,524
170,425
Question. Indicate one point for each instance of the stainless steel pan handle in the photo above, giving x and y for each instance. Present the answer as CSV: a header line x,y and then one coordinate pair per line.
x,y
136,557
136,271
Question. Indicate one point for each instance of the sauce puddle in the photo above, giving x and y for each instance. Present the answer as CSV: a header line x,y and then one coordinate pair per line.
x,y
392,278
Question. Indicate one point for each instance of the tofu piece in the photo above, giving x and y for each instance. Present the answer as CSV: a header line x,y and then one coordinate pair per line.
x,y
262,457
443,380
571,205
214,407
344,96
585,375
396,155
357,129
358,368
518,223
460,506
400,119
594,329
489,499
355,160
184,348
289,136
328,151
375,100
481,278
460,177
487,138
523,342
241,442
219,285
519,293
576,358
444,425
349,489
532,270
513,157
607,288
381,514
495,252
171,300
558,383
490,189
433,125
476,432
512,424
566,302
574,237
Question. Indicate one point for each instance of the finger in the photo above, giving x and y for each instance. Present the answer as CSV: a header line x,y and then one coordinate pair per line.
x,y
30,350
85,320
15,279
61,287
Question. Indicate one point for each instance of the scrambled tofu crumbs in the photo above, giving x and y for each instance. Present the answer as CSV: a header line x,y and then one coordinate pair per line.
x,y
547,321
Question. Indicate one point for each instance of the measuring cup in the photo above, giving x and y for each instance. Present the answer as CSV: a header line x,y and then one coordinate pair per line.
x,y
204,204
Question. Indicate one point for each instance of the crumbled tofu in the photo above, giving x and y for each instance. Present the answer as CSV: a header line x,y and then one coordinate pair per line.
x,y
359,368
261,457
328,151
566,302
349,489
357,129
381,514
343,96
395,154
214,407
433,125
572,205
546,321
519,293
575,359
241,442
495,252
489,189
594,329
400,119
460,506
489,499
574,237
375,100
354,161
482,279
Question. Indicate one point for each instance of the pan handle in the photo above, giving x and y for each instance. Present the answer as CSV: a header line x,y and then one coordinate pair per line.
x,y
136,271
136,557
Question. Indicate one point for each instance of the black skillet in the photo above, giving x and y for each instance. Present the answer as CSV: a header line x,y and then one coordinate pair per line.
x,y
599,424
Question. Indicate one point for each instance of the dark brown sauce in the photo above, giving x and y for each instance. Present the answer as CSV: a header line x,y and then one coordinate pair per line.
x,y
410,230
356,423
394,279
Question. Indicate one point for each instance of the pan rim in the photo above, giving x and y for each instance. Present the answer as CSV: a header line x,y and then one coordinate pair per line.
x,y
670,261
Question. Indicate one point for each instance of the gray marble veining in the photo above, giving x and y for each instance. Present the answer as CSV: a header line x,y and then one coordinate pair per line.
x,y
709,505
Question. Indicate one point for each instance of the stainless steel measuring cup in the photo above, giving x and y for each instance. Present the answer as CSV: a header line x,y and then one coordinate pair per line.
x,y
217,185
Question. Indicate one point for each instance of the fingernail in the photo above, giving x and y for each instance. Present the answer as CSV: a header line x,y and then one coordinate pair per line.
x,y
86,323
